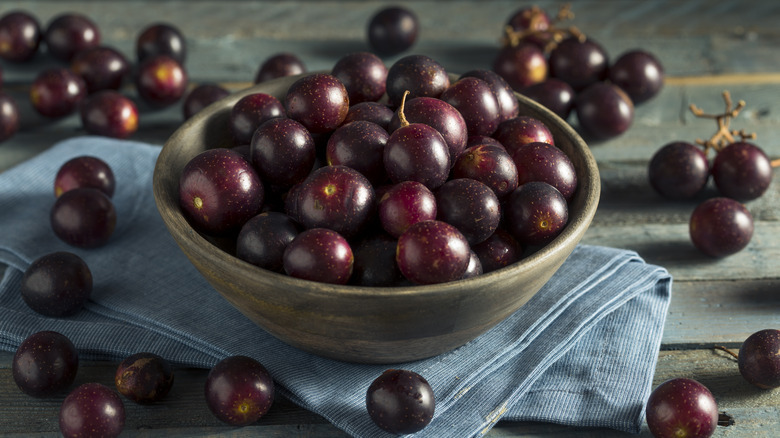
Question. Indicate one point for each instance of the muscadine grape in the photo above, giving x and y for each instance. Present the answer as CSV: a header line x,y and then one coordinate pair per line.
x,y
720,227
679,170
742,171
400,401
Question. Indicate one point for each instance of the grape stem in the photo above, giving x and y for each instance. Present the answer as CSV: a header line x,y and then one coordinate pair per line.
x,y
720,347
775,163
724,135
401,115
554,34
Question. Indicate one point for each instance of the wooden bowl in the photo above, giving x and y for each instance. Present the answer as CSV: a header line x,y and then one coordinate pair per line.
x,y
366,324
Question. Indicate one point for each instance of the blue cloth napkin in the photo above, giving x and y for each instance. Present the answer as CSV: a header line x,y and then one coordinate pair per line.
x,y
581,352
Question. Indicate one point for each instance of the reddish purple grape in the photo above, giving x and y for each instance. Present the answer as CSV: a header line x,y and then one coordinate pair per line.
x,y
370,112
604,111
101,67
521,130
536,213
476,102
554,94
419,74
20,36
57,92
439,115
202,96
282,151
431,252
469,205
490,165
250,112
83,217
319,254
400,401
57,284
579,62
521,65
359,145
720,227
161,39
419,153
742,171
263,239
85,171
144,378
529,18
69,33
374,263
404,204
543,162
279,65
94,410
9,117
759,359
392,30
219,191
45,363
498,250
318,101
109,113
507,102
679,170
681,407
161,80
239,390
363,74
639,74
474,267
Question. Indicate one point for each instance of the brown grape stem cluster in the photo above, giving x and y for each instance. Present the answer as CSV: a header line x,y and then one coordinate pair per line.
x,y
724,135
554,33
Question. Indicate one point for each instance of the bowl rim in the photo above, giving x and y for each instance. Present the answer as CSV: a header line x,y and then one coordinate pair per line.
x,y
588,188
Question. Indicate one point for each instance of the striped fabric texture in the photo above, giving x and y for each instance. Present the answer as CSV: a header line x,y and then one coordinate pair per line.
x,y
581,352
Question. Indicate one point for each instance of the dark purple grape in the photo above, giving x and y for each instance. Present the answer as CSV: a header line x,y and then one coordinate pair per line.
x,y
83,217
374,263
370,112
521,65
202,96
70,33
9,117
604,110
554,94
742,171
507,102
579,62
469,205
144,378
759,359
279,65
490,165
419,74
404,204
679,170
498,250
161,39
109,113
432,252
161,80
439,115
263,239
359,145
57,284
94,410
363,74
319,254
474,268
57,92
45,363
419,153
392,30
400,401
336,197
318,101
85,171
219,190
101,67
536,213
529,18
282,152
476,102
521,130
20,36
543,162
720,227
681,407
239,390
250,112
639,74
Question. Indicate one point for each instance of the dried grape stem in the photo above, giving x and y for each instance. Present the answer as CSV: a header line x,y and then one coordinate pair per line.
x,y
723,136
775,163
401,115
720,347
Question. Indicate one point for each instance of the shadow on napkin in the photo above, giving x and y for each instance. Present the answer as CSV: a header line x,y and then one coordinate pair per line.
x,y
581,352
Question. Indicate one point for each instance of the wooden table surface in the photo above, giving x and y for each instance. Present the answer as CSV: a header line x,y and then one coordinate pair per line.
x,y
706,47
